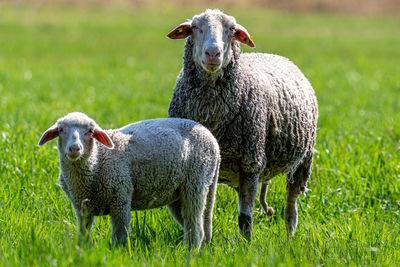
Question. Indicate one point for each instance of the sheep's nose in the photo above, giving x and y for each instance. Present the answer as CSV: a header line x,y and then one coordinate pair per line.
x,y
212,59
213,53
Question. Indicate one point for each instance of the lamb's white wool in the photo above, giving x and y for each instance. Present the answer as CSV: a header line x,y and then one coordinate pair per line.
x,y
260,107
144,165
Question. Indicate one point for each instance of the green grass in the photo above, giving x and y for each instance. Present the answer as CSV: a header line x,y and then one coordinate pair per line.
x,y
116,65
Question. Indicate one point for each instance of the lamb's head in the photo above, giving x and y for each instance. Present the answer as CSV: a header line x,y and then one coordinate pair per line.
x,y
213,34
76,133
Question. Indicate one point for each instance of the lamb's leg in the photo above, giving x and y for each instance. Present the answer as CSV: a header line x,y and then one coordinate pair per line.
x,y
296,184
175,209
120,217
193,203
208,212
193,231
248,183
85,221
269,211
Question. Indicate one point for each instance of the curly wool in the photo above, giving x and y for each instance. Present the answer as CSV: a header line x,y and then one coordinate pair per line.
x,y
260,107
146,155
157,162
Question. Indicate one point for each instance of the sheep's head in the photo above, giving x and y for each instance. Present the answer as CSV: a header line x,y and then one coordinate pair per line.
x,y
76,132
213,33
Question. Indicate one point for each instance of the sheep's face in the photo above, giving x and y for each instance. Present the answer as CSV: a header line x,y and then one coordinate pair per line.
x,y
213,33
76,134
212,36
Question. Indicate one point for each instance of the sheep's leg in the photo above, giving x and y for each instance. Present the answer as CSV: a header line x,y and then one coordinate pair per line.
x,y
85,221
292,194
85,224
296,184
120,217
248,183
208,212
269,211
175,209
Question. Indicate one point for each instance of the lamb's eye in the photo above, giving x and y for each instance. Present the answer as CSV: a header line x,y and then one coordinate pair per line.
x,y
61,130
90,131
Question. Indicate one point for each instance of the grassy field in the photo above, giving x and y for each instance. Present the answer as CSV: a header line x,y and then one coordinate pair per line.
x,y
116,65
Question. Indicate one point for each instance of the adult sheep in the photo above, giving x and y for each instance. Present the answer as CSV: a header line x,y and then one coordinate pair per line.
x,y
143,165
260,107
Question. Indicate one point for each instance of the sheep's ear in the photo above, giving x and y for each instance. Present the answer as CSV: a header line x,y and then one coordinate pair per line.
x,y
48,135
182,31
243,36
103,138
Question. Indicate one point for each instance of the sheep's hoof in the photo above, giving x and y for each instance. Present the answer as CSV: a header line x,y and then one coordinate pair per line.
x,y
291,225
119,241
84,207
269,212
245,226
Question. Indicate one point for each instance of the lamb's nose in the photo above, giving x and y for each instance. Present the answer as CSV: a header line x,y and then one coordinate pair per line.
x,y
74,150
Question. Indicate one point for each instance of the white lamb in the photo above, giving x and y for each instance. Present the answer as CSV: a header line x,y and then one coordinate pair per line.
x,y
144,165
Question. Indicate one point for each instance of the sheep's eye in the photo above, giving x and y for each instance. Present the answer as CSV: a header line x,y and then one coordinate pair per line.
x,y
231,30
90,131
195,28
61,130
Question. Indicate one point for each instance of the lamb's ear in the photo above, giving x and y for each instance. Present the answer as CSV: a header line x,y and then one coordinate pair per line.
x,y
243,36
103,138
182,31
48,135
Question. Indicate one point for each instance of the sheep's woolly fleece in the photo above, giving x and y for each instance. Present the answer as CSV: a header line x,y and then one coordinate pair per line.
x,y
260,107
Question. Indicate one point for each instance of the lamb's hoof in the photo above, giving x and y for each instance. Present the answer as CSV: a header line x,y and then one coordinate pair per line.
x,y
269,212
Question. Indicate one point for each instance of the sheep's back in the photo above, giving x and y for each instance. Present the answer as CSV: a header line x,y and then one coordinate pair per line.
x,y
290,109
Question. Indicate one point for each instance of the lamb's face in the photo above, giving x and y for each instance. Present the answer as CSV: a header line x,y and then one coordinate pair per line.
x,y
74,138
76,133
213,33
